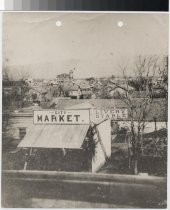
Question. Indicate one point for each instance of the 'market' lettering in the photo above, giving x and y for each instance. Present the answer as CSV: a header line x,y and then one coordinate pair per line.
x,y
62,117
39,118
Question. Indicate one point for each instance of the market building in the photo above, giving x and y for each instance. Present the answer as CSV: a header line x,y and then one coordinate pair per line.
x,y
69,140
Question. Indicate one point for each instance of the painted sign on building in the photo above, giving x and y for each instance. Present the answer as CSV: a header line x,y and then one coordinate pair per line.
x,y
114,114
62,117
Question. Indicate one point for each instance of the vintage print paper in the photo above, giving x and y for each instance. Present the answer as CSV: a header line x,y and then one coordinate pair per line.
x,y
85,110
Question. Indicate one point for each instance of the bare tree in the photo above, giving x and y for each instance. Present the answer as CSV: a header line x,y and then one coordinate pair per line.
x,y
24,87
6,70
145,68
163,73
17,80
21,74
5,74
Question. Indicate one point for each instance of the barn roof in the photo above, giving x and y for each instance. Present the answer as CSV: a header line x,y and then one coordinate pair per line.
x,y
97,103
84,105
156,110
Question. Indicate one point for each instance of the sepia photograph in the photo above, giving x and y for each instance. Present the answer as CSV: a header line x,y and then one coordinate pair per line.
x,y
84,110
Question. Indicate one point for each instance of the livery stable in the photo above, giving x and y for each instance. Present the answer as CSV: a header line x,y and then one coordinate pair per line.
x,y
65,140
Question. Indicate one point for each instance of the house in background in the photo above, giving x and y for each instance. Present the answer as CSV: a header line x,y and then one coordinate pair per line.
x,y
67,145
85,88
115,91
75,90
53,82
30,81
62,78
96,84
18,124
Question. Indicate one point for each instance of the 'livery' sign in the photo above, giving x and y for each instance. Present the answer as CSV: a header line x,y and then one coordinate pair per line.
x,y
62,117
115,114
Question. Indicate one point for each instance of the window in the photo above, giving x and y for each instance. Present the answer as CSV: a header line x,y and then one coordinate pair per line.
x,y
22,132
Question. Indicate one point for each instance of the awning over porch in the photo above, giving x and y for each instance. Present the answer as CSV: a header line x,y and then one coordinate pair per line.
x,y
55,136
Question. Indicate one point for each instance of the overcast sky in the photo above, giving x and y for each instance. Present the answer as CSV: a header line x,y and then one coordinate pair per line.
x,y
93,44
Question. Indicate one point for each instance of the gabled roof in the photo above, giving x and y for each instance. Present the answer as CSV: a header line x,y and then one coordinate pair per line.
x,y
122,86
